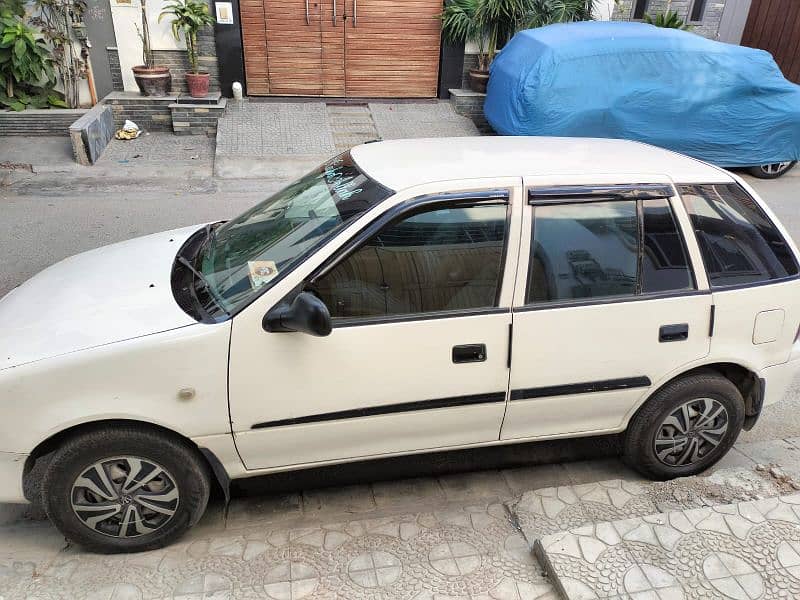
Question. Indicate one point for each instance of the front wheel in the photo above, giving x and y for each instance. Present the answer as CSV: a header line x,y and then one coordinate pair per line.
x,y
772,170
125,489
685,427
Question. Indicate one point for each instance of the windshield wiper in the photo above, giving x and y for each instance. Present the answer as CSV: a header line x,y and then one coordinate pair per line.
x,y
205,283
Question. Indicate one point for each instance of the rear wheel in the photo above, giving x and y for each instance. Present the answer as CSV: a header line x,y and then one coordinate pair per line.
x,y
772,170
125,489
686,427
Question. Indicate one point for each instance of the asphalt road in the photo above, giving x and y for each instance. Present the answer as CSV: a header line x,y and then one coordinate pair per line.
x,y
37,230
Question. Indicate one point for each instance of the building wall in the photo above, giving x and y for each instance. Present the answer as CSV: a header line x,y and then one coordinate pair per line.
x,y
708,27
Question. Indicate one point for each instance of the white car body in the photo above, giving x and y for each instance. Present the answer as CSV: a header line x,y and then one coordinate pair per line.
x,y
99,337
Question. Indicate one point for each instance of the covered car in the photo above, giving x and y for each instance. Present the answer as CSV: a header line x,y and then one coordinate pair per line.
x,y
725,104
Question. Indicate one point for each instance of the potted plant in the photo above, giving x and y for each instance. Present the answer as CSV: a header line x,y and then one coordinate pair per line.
x,y
461,23
189,17
152,80
486,23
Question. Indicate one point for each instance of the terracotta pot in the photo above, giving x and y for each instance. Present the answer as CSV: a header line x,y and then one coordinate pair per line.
x,y
198,84
153,81
478,80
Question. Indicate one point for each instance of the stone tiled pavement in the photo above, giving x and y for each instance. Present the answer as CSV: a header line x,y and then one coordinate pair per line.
x,y
454,537
744,551
282,140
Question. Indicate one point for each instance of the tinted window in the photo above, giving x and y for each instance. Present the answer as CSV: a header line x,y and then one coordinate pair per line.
x,y
738,242
585,250
665,266
438,260
593,250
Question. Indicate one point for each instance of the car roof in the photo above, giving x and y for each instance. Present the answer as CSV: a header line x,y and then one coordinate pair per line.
x,y
400,164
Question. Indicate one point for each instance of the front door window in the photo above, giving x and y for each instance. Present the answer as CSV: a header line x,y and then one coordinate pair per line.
x,y
448,258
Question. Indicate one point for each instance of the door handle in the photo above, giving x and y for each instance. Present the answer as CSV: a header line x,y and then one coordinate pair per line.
x,y
355,13
308,19
673,333
469,353
334,13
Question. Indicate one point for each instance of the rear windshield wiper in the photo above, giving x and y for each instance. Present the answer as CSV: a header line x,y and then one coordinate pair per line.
x,y
205,283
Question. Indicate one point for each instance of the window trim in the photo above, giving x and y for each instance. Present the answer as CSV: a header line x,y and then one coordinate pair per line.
x,y
691,14
573,194
645,4
493,197
562,195
738,286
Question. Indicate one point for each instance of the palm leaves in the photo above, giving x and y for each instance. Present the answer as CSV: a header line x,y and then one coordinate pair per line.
x,y
188,17
491,23
668,19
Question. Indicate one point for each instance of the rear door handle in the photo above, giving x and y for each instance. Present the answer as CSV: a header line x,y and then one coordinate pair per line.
x,y
469,353
673,333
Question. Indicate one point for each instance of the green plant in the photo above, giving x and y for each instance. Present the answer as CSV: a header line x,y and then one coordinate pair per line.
x,y
26,64
491,23
57,20
546,12
188,18
668,19
144,36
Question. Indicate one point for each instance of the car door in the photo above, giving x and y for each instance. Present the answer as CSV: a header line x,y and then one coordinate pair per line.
x,y
420,300
611,306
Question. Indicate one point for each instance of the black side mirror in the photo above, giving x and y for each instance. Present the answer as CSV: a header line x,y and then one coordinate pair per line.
x,y
306,314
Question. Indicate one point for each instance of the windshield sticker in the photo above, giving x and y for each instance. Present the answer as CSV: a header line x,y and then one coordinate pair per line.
x,y
261,272
339,180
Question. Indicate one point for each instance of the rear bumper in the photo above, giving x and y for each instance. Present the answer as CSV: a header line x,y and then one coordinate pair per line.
x,y
778,379
12,467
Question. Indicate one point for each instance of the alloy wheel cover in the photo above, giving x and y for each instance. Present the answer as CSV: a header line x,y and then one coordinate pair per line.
x,y
691,432
125,497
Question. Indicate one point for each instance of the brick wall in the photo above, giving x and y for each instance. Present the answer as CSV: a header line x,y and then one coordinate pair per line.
x,y
195,119
45,121
708,27
149,113
116,70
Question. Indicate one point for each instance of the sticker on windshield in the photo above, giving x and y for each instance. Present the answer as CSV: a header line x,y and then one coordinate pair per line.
x,y
261,272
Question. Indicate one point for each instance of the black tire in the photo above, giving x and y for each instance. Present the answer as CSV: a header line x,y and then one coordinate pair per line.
x,y
770,171
639,450
184,471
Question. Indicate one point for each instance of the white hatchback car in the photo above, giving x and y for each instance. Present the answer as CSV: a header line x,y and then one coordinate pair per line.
x,y
406,296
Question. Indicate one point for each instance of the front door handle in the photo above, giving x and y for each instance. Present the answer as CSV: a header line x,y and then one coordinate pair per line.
x,y
673,333
469,353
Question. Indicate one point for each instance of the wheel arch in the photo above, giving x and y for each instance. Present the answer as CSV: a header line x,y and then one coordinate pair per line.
x,y
750,386
47,446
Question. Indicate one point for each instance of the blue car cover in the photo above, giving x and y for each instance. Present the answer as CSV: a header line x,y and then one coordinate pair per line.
x,y
725,104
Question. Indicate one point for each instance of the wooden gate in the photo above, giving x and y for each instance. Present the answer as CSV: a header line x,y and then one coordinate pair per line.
x,y
774,26
342,48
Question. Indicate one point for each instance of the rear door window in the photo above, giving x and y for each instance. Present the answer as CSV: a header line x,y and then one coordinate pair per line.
x,y
607,249
738,242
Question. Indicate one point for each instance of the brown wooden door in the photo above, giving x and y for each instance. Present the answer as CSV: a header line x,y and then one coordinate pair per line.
x,y
254,42
774,26
354,48
392,48
333,31
294,47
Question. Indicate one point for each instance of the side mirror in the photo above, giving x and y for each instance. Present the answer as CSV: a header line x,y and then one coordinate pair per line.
x,y
306,314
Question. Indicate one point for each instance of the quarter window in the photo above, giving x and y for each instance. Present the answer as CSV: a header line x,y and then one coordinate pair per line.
x,y
605,250
442,259
738,242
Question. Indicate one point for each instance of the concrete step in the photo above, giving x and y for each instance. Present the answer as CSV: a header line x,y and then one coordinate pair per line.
x,y
735,534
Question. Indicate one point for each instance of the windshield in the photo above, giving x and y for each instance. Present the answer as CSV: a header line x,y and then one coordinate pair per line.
x,y
243,257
